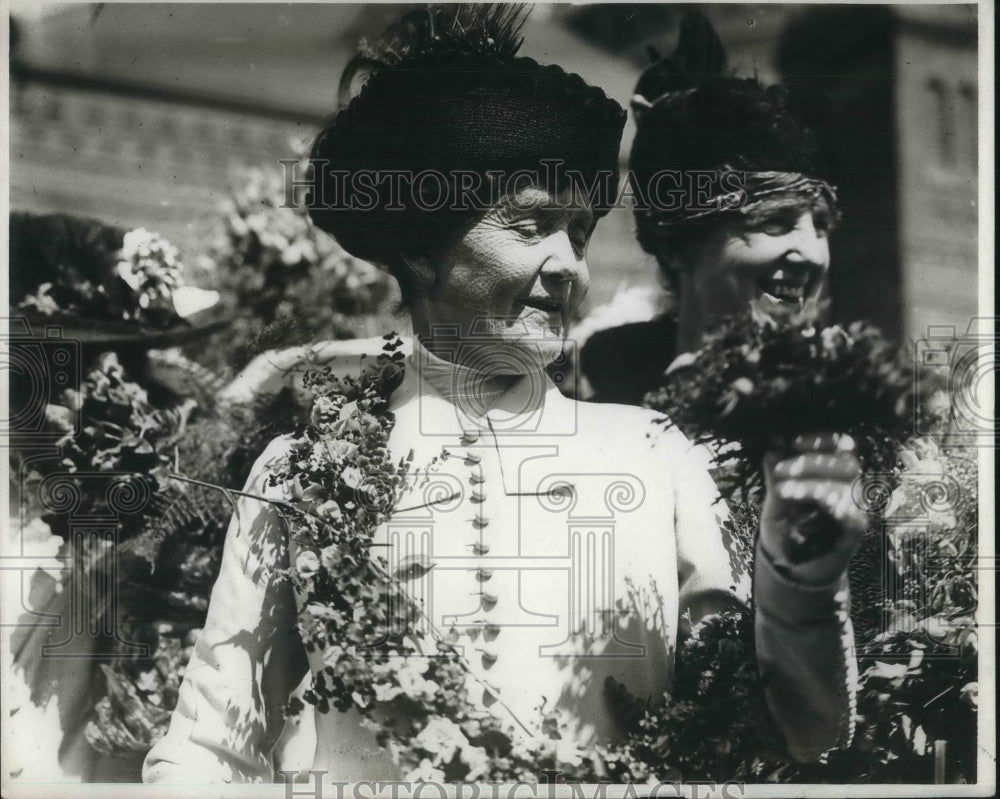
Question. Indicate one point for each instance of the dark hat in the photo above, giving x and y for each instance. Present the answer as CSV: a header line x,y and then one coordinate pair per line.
x,y
693,116
446,95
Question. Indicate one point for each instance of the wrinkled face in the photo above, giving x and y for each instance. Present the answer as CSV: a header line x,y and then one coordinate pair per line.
x,y
511,282
772,260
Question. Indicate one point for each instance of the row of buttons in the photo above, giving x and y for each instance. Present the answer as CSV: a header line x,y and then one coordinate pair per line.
x,y
480,546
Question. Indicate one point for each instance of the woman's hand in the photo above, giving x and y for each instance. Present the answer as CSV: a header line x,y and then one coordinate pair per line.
x,y
810,523
271,372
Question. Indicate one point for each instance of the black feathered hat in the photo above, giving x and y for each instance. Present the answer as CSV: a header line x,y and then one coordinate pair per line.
x,y
693,116
446,101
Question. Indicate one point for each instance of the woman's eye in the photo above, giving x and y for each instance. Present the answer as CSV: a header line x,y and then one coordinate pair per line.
x,y
526,228
774,227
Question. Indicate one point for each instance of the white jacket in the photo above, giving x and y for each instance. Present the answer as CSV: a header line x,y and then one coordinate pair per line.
x,y
581,583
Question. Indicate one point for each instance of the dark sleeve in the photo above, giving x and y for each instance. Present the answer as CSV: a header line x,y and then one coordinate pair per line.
x,y
623,363
805,648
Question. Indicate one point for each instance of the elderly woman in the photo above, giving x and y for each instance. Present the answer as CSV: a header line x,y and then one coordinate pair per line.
x,y
548,593
732,200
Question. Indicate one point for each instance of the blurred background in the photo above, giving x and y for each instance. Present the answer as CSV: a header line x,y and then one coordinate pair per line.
x,y
144,115
173,117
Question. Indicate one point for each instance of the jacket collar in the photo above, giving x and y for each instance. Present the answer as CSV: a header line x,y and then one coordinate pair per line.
x,y
453,398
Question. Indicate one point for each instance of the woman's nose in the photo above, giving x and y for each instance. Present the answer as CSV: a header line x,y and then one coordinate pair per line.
x,y
564,262
808,244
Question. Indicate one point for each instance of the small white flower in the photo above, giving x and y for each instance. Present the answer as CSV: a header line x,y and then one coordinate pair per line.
x,y
42,301
135,242
328,556
568,752
970,693
256,222
751,354
307,563
128,274
442,737
147,682
238,226
38,543
833,337
478,761
189,300
352,476
413,684
291,256
330,511
385,692
425,772
341,450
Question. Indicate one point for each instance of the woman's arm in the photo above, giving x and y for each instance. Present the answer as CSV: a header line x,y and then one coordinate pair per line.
x,y
805,642
804,638
805,651
247,660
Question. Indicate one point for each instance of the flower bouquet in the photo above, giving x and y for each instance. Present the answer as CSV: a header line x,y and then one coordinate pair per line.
x,y
754,386
749,390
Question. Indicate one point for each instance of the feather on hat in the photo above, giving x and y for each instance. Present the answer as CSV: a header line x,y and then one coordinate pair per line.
x,y
444,92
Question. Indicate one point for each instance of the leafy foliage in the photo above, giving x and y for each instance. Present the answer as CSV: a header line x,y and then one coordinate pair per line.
x,y
169,562
916,688
283,281
917,659
168,548
122,438
757,385
714,723
914,582
343,483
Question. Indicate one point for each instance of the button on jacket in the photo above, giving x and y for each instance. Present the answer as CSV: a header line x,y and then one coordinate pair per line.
x,y
563,542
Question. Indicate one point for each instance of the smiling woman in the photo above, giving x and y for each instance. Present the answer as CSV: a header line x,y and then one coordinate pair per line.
x,y
511,280
543,549
771,259
763,248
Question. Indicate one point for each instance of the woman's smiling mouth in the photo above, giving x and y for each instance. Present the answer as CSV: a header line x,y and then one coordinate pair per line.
x,y
548,304
787,286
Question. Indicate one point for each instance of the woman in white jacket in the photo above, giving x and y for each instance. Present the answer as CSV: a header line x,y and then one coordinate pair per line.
x,y
548,598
